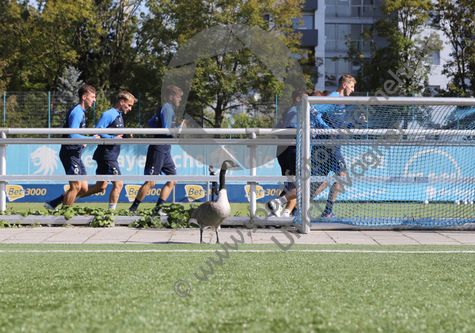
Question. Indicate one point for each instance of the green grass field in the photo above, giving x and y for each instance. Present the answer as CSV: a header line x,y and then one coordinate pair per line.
x,y
251,291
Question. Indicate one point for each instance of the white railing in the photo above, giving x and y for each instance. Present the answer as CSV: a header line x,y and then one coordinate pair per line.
x,y
252,179
252,143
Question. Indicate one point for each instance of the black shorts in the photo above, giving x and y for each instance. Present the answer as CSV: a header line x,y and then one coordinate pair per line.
x,y
287,161
107,168
73,164
159,162
326,159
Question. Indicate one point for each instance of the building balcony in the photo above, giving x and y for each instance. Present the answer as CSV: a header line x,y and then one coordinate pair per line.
x,y
309,37
310,5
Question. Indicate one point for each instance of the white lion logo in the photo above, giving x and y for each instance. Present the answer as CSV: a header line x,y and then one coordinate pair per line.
x,y
46,158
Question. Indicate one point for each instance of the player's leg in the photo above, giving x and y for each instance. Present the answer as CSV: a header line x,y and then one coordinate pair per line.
x,y
167,166
292,196
65,158
320,167
150,169
96,188
102,169
338,166
288,196
76,188
115,193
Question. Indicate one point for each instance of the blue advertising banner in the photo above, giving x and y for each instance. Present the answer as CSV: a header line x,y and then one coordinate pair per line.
x,y
436,163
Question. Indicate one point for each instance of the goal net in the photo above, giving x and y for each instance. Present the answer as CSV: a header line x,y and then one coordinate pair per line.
x,y
386,161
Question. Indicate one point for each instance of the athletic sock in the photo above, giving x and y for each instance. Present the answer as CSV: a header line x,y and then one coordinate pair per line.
x,y
286,213
135,204
56,202
328,207
160,202
112,205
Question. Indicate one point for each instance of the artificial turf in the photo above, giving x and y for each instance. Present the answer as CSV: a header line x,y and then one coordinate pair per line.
x,y
250,291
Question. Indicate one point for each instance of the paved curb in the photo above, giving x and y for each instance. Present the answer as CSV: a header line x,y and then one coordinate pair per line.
x,y
125,235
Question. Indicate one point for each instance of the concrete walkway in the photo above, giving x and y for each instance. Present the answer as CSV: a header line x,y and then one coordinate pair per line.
x,y
125,235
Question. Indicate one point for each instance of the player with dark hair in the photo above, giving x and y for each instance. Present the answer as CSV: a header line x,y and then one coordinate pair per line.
x,y
159,159
70,155
286,156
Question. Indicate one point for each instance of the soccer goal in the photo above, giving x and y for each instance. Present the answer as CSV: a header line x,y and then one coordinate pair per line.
x,y
396,161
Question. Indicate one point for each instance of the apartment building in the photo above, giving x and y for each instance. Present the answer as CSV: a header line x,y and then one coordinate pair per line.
x,y
326,23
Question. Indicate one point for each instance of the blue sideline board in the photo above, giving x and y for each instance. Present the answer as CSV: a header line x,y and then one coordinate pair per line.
x,y
448,162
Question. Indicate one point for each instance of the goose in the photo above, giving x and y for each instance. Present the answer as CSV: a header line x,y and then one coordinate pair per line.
x,y
213,213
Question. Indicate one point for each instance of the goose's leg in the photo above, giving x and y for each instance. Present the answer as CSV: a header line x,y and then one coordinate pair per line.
x,y
217,236
201,235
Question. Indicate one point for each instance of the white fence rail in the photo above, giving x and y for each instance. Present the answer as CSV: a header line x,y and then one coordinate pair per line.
x,y
252,143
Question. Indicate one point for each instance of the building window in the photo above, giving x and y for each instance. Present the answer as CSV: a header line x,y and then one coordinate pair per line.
x,y
336,36
305,22
435,58
349,8
334,69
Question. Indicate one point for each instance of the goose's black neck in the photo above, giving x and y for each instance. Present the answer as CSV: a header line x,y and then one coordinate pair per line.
x,y
222,184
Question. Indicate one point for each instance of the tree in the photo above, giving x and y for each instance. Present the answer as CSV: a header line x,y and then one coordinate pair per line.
x,y
455,19
397,44
39,40
236,75
105,44
69,85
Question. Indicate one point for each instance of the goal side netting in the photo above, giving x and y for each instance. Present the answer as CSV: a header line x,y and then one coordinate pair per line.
x,y
386,162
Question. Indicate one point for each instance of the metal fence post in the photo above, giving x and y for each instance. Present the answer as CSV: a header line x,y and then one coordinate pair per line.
x,y
305,169
139,112
252,169
49,111
4,107
3,172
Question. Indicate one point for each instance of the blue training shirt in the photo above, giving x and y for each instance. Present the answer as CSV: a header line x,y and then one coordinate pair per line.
x,y
75,118
329,116
164,118
112,118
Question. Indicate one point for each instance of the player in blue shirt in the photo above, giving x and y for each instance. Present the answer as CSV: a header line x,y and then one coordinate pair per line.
x,y
70,155
330,158
159,159
106,155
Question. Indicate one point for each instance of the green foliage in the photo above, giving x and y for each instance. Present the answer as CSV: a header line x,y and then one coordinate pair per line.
x,y
396,44
220,80
69,85
6,224
177,217
455,19
147,221
103,219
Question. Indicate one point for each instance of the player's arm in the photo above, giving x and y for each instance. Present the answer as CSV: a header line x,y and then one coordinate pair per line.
x,y
75,119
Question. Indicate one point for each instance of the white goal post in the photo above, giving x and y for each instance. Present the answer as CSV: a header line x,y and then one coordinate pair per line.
x,y
423,131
